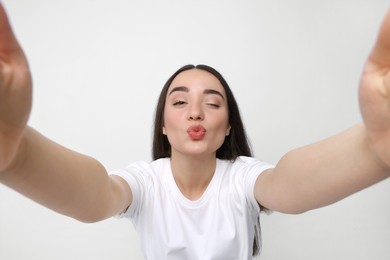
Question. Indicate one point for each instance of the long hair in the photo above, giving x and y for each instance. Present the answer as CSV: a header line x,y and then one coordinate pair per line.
x,y
235,144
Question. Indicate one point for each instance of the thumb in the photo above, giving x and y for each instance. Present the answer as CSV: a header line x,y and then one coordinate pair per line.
x,y
380,55
8,42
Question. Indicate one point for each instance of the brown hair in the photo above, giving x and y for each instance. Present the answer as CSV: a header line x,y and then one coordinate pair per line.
x,y
235,144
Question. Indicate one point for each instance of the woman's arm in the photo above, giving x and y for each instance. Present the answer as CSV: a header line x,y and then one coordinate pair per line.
x,y
63,180
320,174
325,172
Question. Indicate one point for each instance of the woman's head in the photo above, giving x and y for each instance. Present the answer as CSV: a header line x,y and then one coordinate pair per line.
x,y
234,144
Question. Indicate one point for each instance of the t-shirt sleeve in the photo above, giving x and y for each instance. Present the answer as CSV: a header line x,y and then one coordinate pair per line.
x,y
136,176
252,168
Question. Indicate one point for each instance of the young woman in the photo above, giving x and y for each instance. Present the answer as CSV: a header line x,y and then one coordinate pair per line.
x,y
201,196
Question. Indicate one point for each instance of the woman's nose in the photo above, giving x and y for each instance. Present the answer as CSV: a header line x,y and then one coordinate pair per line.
x,y
195,112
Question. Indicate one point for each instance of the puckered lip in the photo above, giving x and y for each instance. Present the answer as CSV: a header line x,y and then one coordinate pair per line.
x,y
196,132
196,129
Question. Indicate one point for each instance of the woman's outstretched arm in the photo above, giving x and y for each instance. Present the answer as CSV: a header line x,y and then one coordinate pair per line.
x,y
327,171
322,173
63,180
68,182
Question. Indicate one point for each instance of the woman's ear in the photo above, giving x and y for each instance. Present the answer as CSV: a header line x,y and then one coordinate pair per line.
x,y
228,130
163,131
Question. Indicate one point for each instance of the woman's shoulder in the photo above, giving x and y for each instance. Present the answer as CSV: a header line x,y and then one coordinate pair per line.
x,y
243,165
144,167
153,166
243,161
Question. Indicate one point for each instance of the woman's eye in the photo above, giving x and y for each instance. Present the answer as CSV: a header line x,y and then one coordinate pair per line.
x,y
213,105
178,103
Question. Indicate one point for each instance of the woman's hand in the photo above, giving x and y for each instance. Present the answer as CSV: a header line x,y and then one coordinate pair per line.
x,y
15,92
374,94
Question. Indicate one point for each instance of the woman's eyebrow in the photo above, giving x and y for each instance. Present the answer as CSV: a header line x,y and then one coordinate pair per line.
x,y
181,88
213,91
206,91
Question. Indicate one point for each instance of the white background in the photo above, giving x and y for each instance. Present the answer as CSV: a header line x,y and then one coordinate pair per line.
x,y
98,67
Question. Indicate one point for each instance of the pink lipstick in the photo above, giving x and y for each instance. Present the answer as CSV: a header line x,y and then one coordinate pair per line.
x,y
196,132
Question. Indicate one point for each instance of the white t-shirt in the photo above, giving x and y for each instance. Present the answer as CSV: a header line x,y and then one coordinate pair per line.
x,y
219,225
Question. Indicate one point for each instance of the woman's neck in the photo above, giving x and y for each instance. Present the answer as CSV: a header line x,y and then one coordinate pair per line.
x,y
193,174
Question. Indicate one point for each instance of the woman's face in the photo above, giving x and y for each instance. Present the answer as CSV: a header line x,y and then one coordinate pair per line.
x,y
195,114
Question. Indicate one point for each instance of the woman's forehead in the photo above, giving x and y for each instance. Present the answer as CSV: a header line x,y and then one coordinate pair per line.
x,y
197,78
